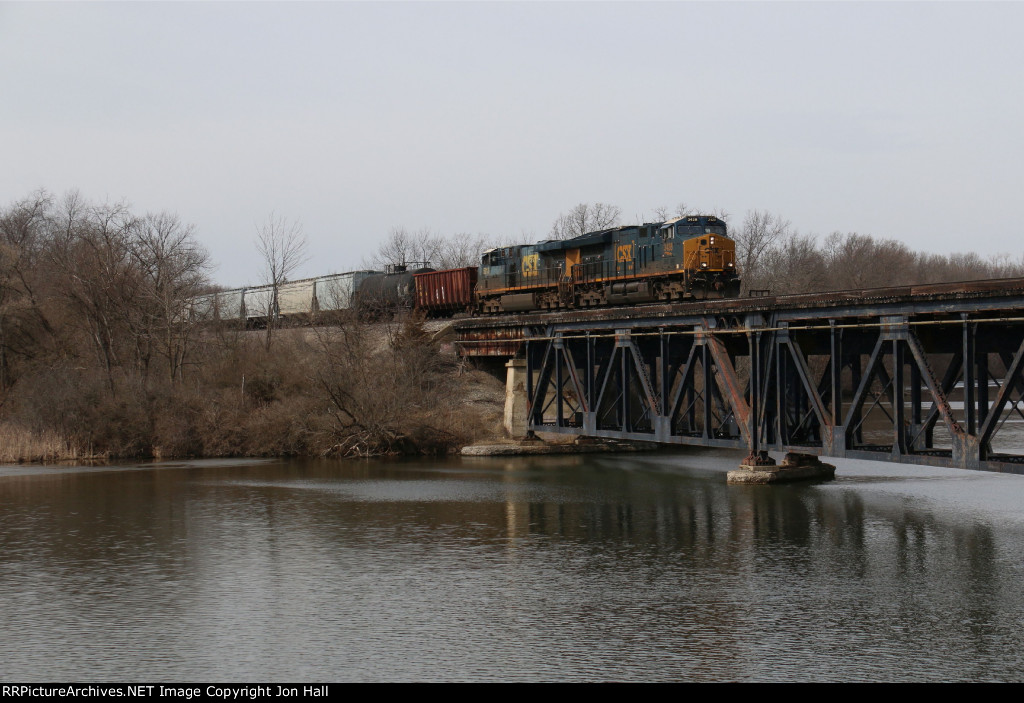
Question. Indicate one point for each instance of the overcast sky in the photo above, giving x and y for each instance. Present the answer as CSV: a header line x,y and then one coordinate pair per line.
x,y
897,120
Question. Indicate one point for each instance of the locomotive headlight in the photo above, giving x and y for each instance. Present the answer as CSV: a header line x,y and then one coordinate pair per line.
x,y
704,265
712,240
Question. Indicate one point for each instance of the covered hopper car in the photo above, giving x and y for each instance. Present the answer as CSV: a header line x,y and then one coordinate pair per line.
x,y
295,299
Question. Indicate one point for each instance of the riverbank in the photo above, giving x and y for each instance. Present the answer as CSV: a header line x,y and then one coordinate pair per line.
x,y
354,389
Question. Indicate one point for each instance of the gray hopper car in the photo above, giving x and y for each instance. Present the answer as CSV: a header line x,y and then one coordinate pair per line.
x,y
255,304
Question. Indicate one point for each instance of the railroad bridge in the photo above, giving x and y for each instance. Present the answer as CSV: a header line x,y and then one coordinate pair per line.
x,y
918,374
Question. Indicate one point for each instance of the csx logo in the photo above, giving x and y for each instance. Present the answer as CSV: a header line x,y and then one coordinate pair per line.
x,y
624,252
530,264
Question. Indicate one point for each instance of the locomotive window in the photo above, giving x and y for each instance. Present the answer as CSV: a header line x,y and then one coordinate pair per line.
x,y
703,242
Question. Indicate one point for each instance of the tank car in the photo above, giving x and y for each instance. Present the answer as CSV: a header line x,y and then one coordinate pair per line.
x,y
689,257
389,291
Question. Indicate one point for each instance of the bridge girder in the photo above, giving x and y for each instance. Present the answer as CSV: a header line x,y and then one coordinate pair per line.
x,y
906,384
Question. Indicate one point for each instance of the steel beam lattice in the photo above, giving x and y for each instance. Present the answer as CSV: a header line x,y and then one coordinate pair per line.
x,y
914,380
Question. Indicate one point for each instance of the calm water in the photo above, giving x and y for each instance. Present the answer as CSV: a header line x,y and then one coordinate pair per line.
x,y
563,568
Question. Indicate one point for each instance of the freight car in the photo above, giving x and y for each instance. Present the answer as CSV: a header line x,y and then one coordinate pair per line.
x,y
444,293
294,300
689,257
385,292
370,293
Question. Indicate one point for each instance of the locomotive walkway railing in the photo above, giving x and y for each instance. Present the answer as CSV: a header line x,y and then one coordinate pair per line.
x,y
928,375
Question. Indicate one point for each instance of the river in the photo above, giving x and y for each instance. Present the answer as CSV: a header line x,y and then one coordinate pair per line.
x,y
573,568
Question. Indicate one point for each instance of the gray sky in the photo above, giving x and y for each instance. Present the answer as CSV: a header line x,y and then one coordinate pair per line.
x,y
896,120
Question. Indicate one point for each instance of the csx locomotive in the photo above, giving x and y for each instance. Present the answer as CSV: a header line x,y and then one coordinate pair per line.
x,y
689,257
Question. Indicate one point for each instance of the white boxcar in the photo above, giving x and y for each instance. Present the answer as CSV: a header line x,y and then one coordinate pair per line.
x,y
296,297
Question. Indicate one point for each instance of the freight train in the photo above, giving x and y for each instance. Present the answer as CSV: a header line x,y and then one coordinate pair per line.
x,y
689,257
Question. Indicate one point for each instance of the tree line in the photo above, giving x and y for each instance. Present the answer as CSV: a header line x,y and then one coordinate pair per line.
x,y
99,356
92,283
772,255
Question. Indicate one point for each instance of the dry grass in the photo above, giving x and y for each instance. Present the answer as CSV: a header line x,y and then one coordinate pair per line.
x,y
19,445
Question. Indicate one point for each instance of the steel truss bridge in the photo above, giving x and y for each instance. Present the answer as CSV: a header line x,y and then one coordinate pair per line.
x,y
922,375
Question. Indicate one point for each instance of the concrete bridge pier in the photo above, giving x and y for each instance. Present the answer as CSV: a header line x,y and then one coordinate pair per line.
x,y
515,399
761,468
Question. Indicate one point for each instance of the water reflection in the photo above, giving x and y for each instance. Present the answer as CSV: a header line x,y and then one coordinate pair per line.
x,y
557,568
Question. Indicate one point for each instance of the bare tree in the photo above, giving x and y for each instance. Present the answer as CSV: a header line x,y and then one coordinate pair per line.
x,y
794,265
404,247
721,213
282,245
461,250
663,213
22,322
760,233
386,387
174,269
584,218
99,278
